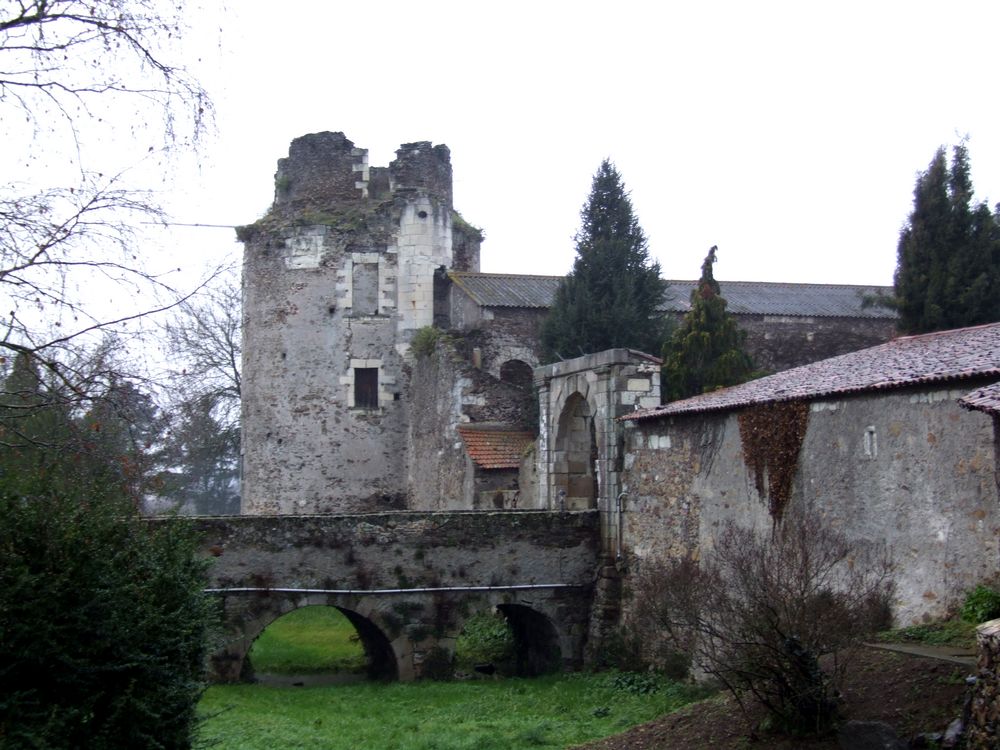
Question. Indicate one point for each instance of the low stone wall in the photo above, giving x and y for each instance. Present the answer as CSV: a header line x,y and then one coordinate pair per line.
x,y
983,731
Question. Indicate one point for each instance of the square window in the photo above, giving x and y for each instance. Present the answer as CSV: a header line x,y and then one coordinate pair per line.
x,y
366,387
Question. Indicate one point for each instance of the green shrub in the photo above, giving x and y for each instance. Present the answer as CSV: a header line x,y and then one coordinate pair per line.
x,y
981,604
103,633
486,639
425,341
636,683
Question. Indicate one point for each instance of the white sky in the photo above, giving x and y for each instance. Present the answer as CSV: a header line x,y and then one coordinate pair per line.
x,y
789,134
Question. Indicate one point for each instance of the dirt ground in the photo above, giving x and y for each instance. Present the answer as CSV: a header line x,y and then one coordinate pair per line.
x,y
912,694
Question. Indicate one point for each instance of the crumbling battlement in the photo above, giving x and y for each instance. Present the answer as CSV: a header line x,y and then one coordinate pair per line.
x,y
326,170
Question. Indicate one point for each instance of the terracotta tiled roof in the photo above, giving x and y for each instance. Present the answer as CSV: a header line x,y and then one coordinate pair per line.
x,y
944,356
743,297
983,399
493,447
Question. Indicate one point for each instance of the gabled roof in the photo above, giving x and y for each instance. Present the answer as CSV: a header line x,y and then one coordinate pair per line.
x,y
495,447
985,399
957,355
743,297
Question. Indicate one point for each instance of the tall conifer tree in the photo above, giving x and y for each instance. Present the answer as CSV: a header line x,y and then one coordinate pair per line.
x,y
612,297
948,258
706,351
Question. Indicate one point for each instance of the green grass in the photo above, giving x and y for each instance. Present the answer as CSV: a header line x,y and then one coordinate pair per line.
x,y
941,633
554,711
307,641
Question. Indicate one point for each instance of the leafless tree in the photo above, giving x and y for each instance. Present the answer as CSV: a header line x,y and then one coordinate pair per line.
x,y
759,611
66,67
203,340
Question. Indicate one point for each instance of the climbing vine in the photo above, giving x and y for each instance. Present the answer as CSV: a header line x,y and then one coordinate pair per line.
x,y
772,435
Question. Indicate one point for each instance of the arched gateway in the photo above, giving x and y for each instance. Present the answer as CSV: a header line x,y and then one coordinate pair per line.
x,y
579,446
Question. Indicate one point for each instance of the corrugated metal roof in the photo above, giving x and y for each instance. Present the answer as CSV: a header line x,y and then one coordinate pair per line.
x,y
495,448
985,399
772,298
507,290
743,297
930,358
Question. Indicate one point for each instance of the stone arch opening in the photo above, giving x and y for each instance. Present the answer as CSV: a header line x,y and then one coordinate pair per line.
x,y
575,470
518,373
379,657
536,641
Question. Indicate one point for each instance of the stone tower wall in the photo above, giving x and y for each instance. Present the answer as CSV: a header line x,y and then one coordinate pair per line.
x,y
337,278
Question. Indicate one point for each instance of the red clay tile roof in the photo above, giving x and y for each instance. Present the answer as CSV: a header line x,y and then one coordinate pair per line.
x,y
495,448
930,358
985,399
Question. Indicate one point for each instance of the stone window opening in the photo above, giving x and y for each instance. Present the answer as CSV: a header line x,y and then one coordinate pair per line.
x,y
366,387
871,443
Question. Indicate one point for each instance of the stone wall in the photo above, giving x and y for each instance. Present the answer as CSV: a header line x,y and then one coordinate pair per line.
x,y
779,343
437,462
983,729
907,467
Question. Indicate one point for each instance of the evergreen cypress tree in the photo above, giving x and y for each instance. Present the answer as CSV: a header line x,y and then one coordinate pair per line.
x,y
948,258
612,296
706,351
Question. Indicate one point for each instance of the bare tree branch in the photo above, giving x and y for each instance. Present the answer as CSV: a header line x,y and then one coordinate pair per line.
x,y
73,64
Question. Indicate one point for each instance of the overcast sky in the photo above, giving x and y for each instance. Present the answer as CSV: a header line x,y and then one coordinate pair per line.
x,y
788,134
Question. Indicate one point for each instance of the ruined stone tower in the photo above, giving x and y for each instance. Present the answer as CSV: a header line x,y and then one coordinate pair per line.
x,y
337,278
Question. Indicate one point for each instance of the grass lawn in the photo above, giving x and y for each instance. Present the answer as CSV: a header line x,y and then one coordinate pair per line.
x,y
307,641
554,711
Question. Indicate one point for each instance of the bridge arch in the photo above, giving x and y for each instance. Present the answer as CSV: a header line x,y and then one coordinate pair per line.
x,y
248,617
536,640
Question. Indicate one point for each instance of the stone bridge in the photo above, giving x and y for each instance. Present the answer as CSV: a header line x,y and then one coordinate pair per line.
x,y
407,581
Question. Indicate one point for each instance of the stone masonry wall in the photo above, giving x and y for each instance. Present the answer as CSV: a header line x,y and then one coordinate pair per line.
x,y
437,463
983,730
779,343
907,467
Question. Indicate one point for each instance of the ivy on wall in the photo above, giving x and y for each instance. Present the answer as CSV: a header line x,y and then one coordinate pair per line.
x,y
771,436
